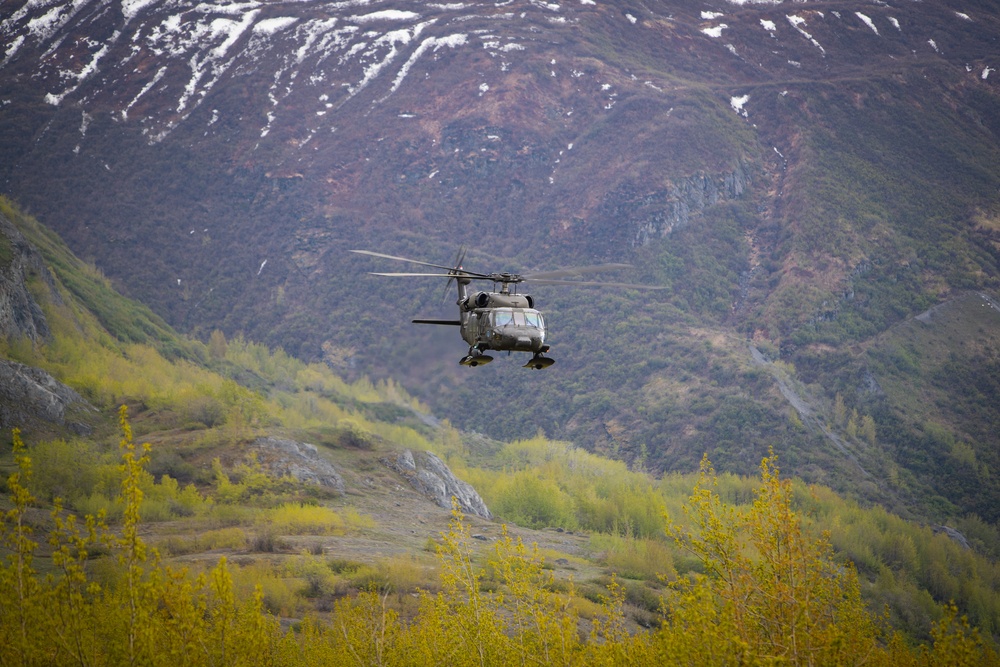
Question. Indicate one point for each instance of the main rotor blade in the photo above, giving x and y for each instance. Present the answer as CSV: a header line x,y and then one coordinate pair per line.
x,y
540,278
459,258
401,259
576,271
591,283
430,275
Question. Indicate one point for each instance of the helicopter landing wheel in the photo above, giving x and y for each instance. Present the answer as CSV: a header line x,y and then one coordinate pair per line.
x,y
538,362
475,358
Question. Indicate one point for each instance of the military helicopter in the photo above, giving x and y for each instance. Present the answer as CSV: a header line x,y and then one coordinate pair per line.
x,y
502,320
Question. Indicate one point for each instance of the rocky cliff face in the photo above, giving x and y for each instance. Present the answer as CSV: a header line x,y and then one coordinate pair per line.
x,y
432,477
30,396
20,314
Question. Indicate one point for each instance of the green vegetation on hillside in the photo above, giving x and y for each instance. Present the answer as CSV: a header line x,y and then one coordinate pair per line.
x,y
202,498
127,320
765,591
885,212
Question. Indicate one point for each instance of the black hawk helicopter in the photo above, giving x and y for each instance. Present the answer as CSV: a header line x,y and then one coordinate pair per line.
x,y
504,320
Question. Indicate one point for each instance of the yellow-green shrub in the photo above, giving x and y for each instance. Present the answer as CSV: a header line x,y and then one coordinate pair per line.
x,y
222,538
299,519
527,499
767,581
635,558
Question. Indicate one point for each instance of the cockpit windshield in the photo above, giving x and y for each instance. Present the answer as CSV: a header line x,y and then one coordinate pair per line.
x,y
518,317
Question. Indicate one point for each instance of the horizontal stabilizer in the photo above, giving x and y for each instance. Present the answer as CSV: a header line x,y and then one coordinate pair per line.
x,y
453,323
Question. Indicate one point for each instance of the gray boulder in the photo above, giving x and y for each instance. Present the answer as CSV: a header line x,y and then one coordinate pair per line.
x,y
432,477
954,535
298,460
29,395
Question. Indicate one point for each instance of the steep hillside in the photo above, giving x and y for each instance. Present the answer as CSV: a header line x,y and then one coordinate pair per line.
x,y
804,176
285,504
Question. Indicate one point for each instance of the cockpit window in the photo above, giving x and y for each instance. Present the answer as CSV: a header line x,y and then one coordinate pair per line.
x,y
502,317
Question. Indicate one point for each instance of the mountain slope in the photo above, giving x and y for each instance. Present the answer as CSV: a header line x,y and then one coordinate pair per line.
x,y
232,482
802,175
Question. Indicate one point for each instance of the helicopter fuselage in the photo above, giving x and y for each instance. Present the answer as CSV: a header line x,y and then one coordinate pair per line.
x,y
501,321
515,329
504,321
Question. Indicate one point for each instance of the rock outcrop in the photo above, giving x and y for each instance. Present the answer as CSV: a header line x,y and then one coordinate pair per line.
x,y
20,314
29,395
661,212
954,535
432,477
298,460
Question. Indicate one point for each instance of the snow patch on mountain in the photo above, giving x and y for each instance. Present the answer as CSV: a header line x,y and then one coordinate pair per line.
x,y
193,44
386,15
392,40
170,55
797,22
435,43
271,26
131,8
739,103
13,47
212,63
145,89
79,77
867,21
45,26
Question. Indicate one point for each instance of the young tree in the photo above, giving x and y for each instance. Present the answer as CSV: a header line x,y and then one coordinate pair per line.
x,y
541,624
217,345
839,410
20,618
776,590
868,429
462,615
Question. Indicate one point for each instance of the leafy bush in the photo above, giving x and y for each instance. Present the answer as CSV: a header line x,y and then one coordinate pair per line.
x,y
769,592
528,500
634,558
299,519
222,538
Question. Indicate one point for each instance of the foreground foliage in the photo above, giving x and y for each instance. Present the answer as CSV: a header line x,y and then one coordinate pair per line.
x,y
767,594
